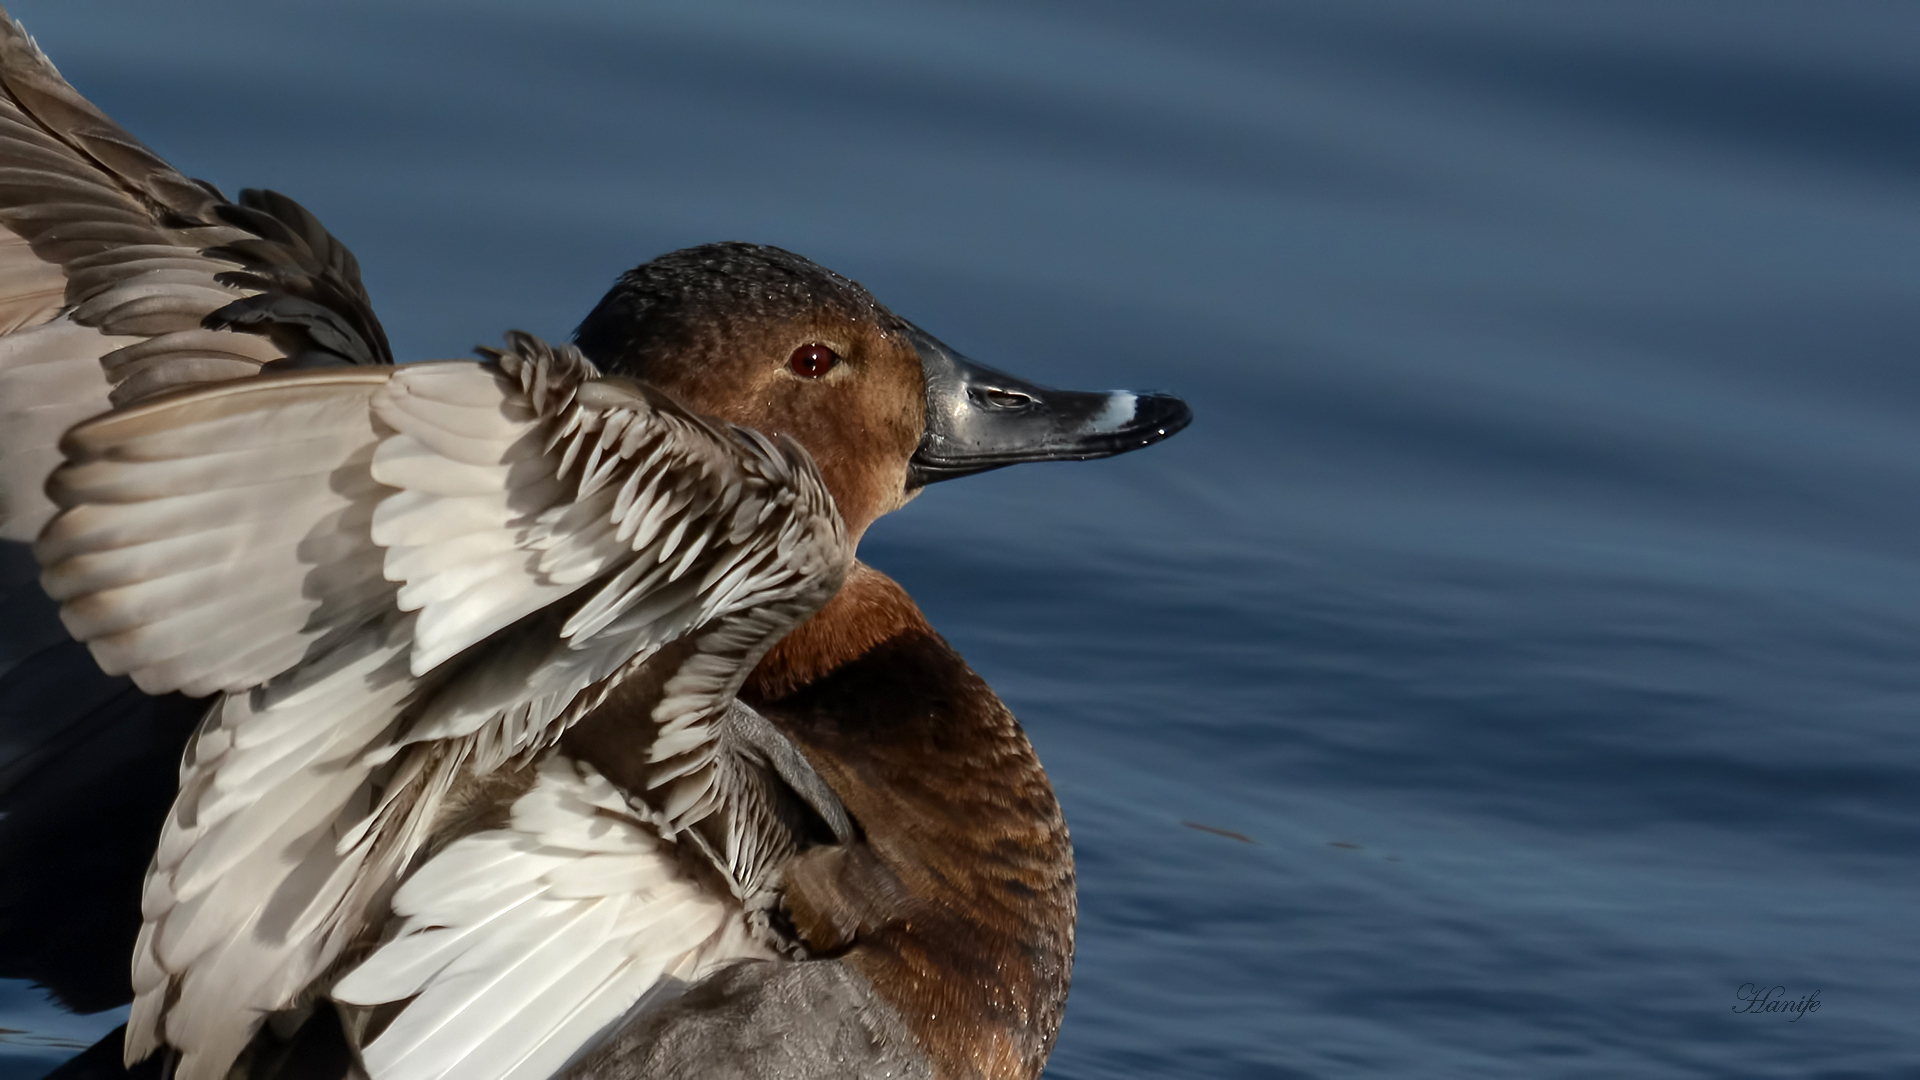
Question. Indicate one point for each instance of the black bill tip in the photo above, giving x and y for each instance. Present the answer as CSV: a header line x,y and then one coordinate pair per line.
x,y
980,419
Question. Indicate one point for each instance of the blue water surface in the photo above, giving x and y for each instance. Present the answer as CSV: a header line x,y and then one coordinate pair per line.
x,y
1536,597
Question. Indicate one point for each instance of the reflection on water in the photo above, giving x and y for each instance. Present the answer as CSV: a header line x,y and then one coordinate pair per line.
x,y
1537,588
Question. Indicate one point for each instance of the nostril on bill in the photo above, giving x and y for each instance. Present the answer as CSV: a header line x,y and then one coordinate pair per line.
x,y
1005,399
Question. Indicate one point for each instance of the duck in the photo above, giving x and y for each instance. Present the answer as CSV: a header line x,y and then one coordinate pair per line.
x,y
522,716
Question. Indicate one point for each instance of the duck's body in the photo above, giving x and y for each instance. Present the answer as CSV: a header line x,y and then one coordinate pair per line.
x,y
551,728
959,905
949,925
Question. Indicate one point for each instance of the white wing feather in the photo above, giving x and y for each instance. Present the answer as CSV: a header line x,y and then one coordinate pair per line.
x,y
522,946
50,380
251,892
211,543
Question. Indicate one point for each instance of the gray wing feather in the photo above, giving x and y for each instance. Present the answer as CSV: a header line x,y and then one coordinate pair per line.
x,y
120,278
752,737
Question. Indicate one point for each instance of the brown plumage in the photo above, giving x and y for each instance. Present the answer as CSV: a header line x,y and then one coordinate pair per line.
x,y
960,903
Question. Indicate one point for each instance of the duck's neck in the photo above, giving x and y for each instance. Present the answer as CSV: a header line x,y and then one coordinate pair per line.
x,y
869,609
959,906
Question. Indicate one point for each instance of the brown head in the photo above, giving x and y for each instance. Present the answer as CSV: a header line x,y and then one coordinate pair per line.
x,y
761,337
766,339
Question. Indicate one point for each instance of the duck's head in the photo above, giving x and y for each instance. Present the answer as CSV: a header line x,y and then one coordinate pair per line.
x,y
761,337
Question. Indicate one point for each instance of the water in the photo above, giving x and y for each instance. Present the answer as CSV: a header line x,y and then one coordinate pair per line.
x,y
1538,587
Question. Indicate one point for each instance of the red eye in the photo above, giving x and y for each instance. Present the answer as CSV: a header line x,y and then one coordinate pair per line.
x,y
812,361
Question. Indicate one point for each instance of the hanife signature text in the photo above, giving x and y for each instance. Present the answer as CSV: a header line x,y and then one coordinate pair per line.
x,y
1774,999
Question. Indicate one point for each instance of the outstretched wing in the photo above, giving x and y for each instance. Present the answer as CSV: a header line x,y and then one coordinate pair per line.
x,y
395,579
121,279
400,575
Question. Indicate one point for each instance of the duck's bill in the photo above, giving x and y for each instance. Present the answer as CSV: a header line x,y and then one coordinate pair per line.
x,y
980,419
